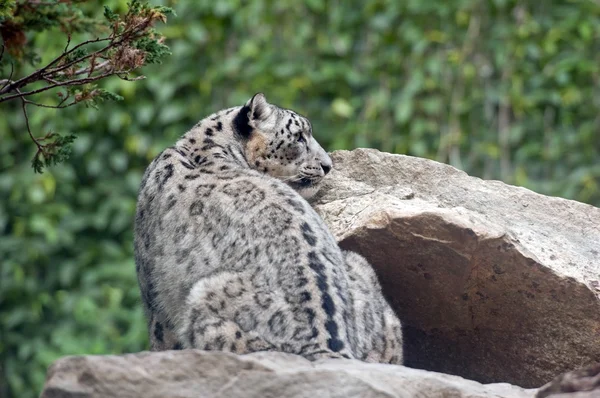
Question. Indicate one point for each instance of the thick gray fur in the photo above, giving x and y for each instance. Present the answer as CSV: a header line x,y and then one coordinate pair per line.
x,y
231,257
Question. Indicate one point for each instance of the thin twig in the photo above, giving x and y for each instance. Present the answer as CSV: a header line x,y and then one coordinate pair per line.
x,y
68,42
130,79
92,66
6,82
89,69
39,146
59,106
66,97
52,81
75,82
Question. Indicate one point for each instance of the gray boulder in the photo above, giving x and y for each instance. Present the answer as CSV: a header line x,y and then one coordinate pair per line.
x,y
202,374
492,282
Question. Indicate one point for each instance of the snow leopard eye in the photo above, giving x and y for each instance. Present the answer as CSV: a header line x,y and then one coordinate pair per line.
x,y
301,138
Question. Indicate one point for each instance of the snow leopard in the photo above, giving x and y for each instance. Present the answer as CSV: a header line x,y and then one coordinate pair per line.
x,y
230,256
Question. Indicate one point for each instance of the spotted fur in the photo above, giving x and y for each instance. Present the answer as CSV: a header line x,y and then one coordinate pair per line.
x,y
231,257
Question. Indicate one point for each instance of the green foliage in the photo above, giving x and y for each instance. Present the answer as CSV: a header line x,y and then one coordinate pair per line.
x,y
501,89
104,95
6,8
57,149
110,15
154,50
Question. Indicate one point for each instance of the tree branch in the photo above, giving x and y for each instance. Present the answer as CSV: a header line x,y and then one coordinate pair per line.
x,y
129,44
37,75
75,82
128,35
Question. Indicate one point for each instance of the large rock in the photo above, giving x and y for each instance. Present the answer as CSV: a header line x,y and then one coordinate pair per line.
x,y
492,282
200,374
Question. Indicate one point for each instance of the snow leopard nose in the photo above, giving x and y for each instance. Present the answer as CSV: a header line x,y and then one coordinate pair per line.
x,y
326,162
321,156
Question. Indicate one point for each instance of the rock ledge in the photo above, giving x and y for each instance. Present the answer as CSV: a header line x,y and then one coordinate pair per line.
x,y
193,374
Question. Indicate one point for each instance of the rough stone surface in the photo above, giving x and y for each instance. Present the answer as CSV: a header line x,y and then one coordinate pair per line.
x,y
192,373
493,282
583,383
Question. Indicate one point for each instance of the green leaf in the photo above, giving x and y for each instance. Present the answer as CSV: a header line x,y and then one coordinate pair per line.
x,y
110,15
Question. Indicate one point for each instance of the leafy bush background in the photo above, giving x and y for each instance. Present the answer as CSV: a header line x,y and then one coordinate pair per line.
x,y
501,89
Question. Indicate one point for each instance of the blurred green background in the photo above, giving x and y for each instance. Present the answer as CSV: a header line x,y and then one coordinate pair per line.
x,y
502,89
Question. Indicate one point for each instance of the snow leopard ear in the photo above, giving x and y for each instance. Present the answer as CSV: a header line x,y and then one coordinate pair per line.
x,y
255,114
260,109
